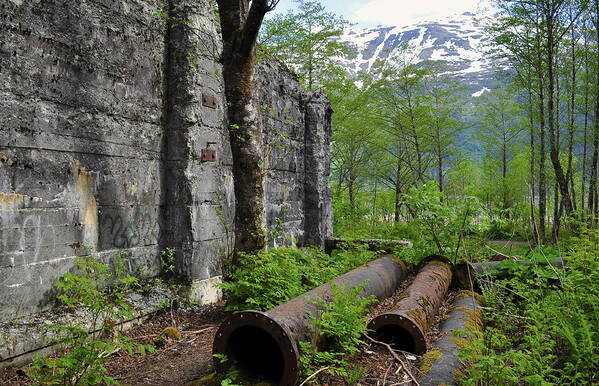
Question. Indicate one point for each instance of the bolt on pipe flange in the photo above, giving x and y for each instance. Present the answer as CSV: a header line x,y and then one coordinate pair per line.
x,y
406,324
264,345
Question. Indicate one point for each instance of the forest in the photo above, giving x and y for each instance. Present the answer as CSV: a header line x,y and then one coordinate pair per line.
x,y
473,216
416,157
526,151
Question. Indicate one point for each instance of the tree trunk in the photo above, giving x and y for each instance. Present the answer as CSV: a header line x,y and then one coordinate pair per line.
x,y
556,213
533,220
438,144
569,172
553,144
351,191
593,199
439,162
397,190
374,216
419,167
542,174
586,126
240,24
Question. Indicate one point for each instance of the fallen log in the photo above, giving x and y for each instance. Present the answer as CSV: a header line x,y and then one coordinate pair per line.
x,y
440,366
377,245
264,345
405,326
468,275
487,267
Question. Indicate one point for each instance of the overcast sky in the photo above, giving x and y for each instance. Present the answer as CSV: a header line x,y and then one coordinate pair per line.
x,y
367,13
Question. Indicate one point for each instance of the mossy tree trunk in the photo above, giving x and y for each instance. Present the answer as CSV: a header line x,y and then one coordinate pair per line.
x,y
240,23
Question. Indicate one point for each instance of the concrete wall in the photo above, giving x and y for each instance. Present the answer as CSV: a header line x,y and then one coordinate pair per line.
x,y
103,118
81,101
298,156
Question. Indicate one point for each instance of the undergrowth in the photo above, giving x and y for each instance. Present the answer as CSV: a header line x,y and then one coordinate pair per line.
x,y
100,292
268,278
542,322
338,329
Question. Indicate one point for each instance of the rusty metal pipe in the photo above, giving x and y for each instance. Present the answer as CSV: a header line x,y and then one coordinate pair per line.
x,y
405,326
465,313
264,345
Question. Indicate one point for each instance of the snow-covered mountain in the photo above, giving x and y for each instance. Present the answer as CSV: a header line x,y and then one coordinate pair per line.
x,y
458,41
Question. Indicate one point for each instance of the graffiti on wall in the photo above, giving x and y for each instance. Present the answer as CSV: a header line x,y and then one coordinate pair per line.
x,y
122,231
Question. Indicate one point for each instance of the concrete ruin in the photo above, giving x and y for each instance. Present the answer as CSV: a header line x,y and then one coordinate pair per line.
x,y
105,118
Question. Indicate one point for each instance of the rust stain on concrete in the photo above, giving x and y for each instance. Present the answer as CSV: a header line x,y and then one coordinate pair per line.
x,y
14,199
5,159
88,207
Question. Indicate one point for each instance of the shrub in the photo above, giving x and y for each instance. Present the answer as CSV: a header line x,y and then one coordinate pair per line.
x,y
100,292
268,278
265,279
338,329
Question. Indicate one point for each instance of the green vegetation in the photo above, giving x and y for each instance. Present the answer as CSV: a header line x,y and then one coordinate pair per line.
x,y
305,40
339,327
542,324
268,278
100,292
526,150
417,158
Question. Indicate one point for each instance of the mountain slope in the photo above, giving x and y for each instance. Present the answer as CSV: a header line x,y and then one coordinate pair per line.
x,y
457,41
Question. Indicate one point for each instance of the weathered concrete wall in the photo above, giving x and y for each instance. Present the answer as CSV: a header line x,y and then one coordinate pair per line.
x,y
283,117
81,100
198,200
103,119
298,137
318,211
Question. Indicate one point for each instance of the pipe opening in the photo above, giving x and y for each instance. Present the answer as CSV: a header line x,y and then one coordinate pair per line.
x,y
397,337
256,354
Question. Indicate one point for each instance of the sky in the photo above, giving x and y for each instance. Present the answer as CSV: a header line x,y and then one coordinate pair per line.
x,y
370,13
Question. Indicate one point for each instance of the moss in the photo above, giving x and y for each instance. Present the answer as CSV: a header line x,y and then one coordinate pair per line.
x,y
426,361
400,262
460,342
159,342
442,264
465,294
402,296
216,379
424,302
474,320
208,380
418,317
171,333
460,375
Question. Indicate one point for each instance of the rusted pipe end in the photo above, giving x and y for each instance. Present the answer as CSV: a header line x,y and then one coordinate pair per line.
x,y
399,331
402,264
431,258
259,346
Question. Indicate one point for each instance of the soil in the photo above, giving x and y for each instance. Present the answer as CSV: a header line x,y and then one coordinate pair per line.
x,y
175,362
178,362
